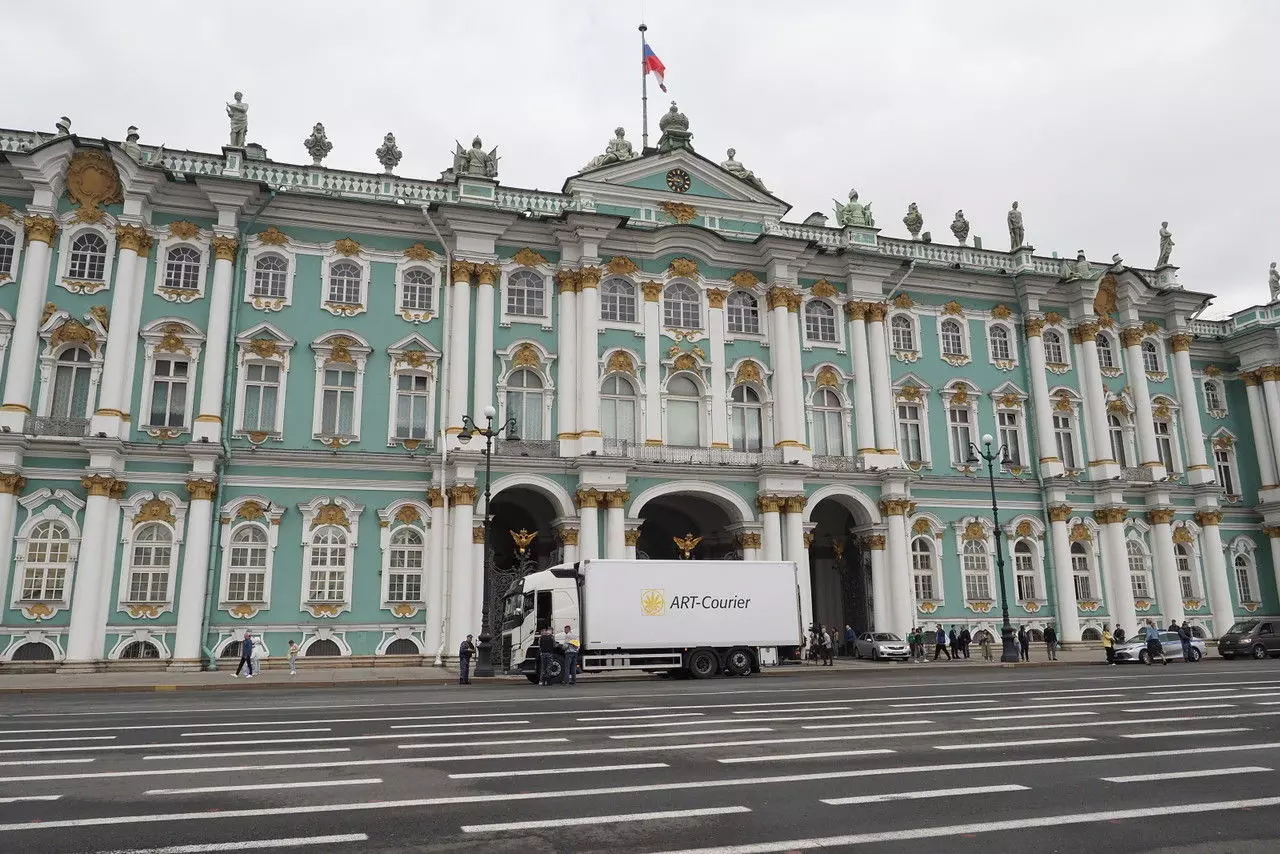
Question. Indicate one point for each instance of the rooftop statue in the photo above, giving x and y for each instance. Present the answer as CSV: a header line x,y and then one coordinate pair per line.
x,y
238,112
616,150
1274,282
318,144
64,126
1017,236
1166,245
130,145
475,160
913,221
736,169
1079,269
960,227
388,153
675,131
854,213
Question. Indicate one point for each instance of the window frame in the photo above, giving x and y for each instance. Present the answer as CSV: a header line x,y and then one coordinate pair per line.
x,y
406,267
700,399
823,412
928,574
79,285
539,286
963,355
1244,549
280,359
635,398
1221,410
1086,553
1155,365
314,522
1113,349
174,526
897,335
614,282
1136,551
1063,344
174,339
730,306
1223,453
235,515
256,251
969,573
45,505
698,303
516,358
959,453
1010,360
748,409
341,308
160,285
836,341
17,235
329,356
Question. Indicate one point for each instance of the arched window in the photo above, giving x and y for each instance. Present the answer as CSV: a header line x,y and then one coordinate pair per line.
x,y
681,307
618,301
618,409
684,412
1024,568
415,290
1212,395
746,420
151,562
323,647
1091,634
1186,577
169,384
327,572
32,651
7,244
270,274
1000,348
140,649
820,322
247,566
1115,427
1139,570
922,570
402,646
743,313
1053,352
952,338
1080,572
413,396
88,258
71,380
404,581
1150,357
1243,565
903,333
1106,353
48,560
526,294
977,571
525,402
828,424
344,283
182,269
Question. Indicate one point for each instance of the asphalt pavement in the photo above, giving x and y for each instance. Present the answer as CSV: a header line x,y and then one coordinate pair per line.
x,y
1125,759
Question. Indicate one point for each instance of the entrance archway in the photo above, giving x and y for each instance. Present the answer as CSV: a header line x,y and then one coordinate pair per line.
x,y
687,517
522,539
839,564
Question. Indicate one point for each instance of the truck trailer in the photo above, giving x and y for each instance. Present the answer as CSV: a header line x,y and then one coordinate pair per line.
x,y
695,618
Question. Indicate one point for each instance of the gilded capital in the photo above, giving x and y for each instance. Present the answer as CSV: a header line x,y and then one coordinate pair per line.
x,y
769,503
587,498
462,271
567,281
793,504
1088,330
1131,336
568,535
1271,532
1179,341
652,291
1111,515
131,237
631,536
224,248
874,542
855,310
40,228
486,274
793,301
12,484
477,535
876,312
1269,374
463,493
1205,518
1160,516
1060,512
808,539
617,499
435,497
749,540
1034,326
778,297
895,506
716,297
588,277
202,490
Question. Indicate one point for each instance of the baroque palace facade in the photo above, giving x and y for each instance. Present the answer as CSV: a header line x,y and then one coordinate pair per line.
x,y
234,389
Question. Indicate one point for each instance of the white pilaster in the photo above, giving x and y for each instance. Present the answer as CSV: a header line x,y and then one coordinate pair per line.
x,y
483,379
460,344
567,359
1272,533
1271,393
795,372
25,345
463,616
1101,465
771,526
863,408
1051,465
1068,614
195,575
589,437
569,544
437,545
1115,563
1168,592
1148,455
1215,570
125,302
784,395
881,386
881,604
1198,469
615,525
93,570
652,363
208,424
901,595
588,523
1264,450
719,379
11,486
795,549
632,537
477,578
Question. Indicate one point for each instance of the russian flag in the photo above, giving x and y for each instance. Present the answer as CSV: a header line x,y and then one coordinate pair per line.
x,y
651,62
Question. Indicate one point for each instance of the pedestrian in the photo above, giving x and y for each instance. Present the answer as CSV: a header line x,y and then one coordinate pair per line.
x,y
940,644
570,657
916,641
1051,642
246,655
953,641
966,637
466,652
1184,635
984,641
293,658
828,647
546,652
1119,635
850,637
1154,646
1108,644
1024,643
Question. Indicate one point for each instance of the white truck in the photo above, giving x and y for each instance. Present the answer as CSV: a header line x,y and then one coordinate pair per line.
x,y
696,618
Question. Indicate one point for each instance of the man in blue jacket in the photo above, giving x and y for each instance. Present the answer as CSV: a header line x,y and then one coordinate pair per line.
x,y
246,655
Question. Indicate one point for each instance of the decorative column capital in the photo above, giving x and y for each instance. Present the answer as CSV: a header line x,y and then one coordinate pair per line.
x,y
1272,532
1249,378
777,297
876,312
716,297
477,535
1060,512
769,503
461,271
749,540
631,536
896,506
652,291
1160,515
1034,326
1269,374
40,228
794,300
104,486
567,281
201,489
874,542
617,499
1131,336
435,497
1111,515
12,484
131,237
855,310
588,277
486,274
1205,518
587,498
225,248
463,493
1179,342
808,539
568,535
793,504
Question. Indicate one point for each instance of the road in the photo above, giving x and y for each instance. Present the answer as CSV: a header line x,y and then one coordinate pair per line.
x,y
1125,759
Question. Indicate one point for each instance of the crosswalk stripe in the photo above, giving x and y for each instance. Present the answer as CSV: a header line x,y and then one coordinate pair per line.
x,y
248,844
1182,775
690,734
259,787
1025,717
991,744
920,795
538,772
1185,732
185,756
578,821
789,757
21,798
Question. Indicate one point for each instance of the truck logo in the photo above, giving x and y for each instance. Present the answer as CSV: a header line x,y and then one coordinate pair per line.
x,y
653,603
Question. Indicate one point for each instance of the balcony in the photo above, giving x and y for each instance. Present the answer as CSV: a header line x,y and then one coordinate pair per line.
x,y
45,425
541,449
704,456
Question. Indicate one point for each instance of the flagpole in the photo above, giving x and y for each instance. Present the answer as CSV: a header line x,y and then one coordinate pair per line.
x,y
644,93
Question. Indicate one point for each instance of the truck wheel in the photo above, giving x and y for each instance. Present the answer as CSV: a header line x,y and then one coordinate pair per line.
x,y
556,671
739,662
703,664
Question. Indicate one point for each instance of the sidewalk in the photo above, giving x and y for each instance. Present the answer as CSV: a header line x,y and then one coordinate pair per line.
x,y
277,676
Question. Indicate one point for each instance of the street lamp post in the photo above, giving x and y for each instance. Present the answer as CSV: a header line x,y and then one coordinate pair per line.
x,y
1009,652
484,650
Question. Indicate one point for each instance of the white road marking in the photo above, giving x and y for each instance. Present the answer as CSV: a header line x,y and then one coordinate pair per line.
x,y
1182,692
457,725
1025,717
688,734
537,772
598,728
890,722
185,756
788,757
242,742
68,738
29,798
943,703
979,827
240,724
792,710
256,732
1179,775
1185,732
260,787
490,798
600,819
1198,708
248,844
990,744
637,717
921,795
48,762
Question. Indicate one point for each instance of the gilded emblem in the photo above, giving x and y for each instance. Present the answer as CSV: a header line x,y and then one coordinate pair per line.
x,y
686,544
652,603
92,181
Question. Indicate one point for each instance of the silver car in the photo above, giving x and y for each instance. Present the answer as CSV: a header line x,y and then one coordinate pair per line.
x,y
1135,648
879,646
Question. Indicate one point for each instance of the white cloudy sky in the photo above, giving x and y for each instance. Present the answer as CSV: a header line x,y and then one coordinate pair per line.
x,y
1102,118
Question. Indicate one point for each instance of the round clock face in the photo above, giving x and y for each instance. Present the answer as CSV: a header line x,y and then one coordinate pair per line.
x,y
678,180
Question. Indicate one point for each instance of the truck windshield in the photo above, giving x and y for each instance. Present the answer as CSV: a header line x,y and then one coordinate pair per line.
x,y
513,606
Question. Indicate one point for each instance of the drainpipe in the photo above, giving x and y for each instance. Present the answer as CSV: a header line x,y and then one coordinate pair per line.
x,y
442,536
228,390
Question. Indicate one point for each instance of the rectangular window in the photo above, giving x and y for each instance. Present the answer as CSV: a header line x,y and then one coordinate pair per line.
x,y
618,418
327,585
148,586
169,394
1084,588
961,433
261,395
411,406
1226,470
828,433
1010,435
977,586
337,413
909,433
404,584
43,583
1141,589
1243,586
745,429
1065,440
1117,442
1164,444
246,585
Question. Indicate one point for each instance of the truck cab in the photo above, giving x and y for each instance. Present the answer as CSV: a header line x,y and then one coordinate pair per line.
x,y
547,599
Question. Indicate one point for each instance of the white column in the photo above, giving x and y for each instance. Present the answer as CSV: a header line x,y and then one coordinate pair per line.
x,y
863,423
632,537
112,405
881,386
567,357
135,322
1051,464
1271,393
107,590
615,524
1272,533
1115,563
1198,469
881,604
1263,449
795,549
460,343
652,363
23,349
1168,591
588,501
477,578
771,533
749,542
1068,614
785,409
195,575
1095,406
568,543
482,393
214,354
1148,455
463,616
901,595
589,360
1215,570
719,392
795,373
93,565
433,583
11,486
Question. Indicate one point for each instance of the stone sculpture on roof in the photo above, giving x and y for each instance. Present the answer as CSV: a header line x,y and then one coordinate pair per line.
x,y
854,212
960,227
616,150
388,153
1080,269
733,167
675,131
1017,236
130,145
913,221
474,160
1273,282
1166,245
238,112
64,126
318,144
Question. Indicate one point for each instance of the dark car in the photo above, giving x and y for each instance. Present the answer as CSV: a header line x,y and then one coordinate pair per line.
x,y
1250,637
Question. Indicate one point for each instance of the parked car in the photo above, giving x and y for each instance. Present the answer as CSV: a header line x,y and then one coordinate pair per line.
x,y
1250,637
878,646
1135,648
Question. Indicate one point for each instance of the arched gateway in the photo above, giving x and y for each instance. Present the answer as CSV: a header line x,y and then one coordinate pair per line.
x,y
842,539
